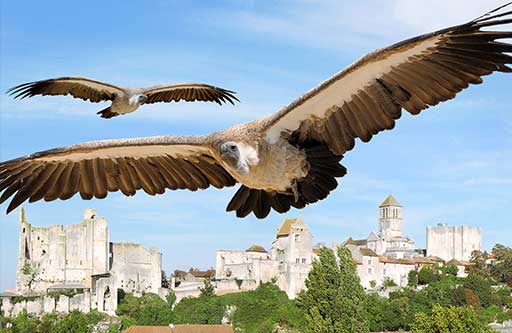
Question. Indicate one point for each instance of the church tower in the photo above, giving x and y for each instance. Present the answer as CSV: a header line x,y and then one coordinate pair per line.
x,y
390,219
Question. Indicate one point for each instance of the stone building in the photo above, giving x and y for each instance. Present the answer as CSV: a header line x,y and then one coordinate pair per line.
x,y
288,262
453,242
81,258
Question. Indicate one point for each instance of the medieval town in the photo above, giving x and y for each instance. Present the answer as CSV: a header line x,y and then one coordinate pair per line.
x,y
87,271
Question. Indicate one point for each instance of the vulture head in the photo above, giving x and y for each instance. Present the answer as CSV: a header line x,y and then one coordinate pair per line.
x,y
232,154
138,99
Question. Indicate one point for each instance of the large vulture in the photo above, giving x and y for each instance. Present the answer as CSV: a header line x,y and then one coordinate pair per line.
x,y
290,158
124,100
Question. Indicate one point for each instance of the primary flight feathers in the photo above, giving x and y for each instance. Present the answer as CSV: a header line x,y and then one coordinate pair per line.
x,y
290,158
124,100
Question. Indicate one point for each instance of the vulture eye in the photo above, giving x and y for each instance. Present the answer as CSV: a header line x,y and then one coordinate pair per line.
x,y
232,147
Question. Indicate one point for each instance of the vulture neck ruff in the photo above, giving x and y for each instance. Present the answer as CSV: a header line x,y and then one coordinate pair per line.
x,y
316,102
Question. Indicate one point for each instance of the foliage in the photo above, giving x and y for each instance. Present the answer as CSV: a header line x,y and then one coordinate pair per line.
x,y
65,292
373,283
171,299
478,261
165,280
74,322
412,278
502,266
205,309
450,320
450,270
334,297
427,274
482,287
208,288
149,309
261,309
388,282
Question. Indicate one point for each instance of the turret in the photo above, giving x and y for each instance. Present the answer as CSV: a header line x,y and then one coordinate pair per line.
x,y
390,218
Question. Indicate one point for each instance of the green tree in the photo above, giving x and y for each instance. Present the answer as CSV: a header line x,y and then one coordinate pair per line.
x,y
450,270
478,261
501,268
427,274
482,287
208,288
334,298
388,282
412,279
148,309
205,309
449,320
171,298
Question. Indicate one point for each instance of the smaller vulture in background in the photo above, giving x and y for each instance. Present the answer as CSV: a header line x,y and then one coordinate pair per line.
x,y
124,100
289,158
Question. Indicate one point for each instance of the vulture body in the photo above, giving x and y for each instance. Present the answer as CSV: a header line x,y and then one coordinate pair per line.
x,y
290,158
124,100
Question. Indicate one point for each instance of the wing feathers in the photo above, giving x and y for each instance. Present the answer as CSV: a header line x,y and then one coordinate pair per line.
x,y
189,92
94,169
83,88
367,97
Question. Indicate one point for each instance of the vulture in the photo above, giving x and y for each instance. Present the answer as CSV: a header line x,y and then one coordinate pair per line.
x,y
286,159
124,100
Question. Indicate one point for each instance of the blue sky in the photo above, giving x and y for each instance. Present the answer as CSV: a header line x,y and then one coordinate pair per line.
x,y
450,164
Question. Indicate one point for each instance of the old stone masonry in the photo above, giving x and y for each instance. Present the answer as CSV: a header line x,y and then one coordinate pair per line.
x,y
62,268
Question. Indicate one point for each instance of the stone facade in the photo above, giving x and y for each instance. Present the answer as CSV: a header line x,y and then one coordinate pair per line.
x,y
453,242
81,258
288,262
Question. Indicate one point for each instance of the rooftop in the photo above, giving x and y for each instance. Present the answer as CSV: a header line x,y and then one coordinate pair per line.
x,y
180,329
390,201
285,228
256,248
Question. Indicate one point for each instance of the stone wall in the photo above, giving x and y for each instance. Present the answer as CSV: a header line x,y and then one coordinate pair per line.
x,y
46,304
453,242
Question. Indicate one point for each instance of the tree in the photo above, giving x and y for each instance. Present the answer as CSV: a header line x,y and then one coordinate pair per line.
x,y
205,309
165,280
451,319
334,300
412,279
148,309
208,289
427,274
481,286
478,261
450,270
501,268
171,298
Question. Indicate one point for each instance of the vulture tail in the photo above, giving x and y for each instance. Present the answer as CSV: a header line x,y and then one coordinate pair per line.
x,y
319,182
107,113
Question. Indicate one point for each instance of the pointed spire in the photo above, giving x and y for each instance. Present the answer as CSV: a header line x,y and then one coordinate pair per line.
x,y
22,215
390,201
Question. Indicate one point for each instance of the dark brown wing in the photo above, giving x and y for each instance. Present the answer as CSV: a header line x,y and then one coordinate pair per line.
x,y
78,87
93,169
189,92
368,96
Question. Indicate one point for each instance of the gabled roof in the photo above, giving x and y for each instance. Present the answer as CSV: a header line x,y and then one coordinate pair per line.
x,y
256,248
367,252
390,201
286,226
357,242
372,237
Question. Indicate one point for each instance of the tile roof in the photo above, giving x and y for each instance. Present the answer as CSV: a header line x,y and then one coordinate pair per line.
x,y
390,201
256,248
284,229
181,329
367,252
357,242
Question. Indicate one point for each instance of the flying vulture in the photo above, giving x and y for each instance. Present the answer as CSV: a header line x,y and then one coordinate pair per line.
x,y
287,159
124,100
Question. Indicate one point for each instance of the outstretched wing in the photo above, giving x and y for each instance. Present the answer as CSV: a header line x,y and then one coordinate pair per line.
x,y
78,87
95,168
368,96
189,92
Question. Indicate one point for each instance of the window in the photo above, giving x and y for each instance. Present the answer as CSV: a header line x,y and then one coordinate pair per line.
x,y
369,261
303,260
369,271
384,271
297,238
297,260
